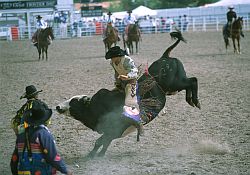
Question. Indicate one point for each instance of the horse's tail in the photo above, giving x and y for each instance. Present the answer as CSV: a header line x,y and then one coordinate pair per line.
x,y
174,35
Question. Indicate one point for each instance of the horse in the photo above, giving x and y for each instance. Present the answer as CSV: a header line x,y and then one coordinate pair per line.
x,y
235,35
103,111
43,41
111,37
134,35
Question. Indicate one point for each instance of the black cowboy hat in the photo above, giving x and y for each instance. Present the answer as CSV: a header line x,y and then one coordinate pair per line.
x,y
109,13
39,17
38,114
115,51
230,7
30,91
129,11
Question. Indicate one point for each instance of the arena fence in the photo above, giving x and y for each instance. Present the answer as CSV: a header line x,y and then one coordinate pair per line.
x,y
61,31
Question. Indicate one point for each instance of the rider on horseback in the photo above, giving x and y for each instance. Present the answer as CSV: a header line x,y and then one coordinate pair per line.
x,y
40,25
109,23
130,19
231,17
126,74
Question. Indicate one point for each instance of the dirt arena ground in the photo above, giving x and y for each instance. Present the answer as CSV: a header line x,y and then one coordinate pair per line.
x,y
182,140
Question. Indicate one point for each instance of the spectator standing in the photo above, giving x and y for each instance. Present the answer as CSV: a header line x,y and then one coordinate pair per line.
x,y
185,23
179,23
31,94
163,24
75,28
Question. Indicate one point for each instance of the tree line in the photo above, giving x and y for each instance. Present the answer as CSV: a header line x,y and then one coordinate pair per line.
x,y
157,4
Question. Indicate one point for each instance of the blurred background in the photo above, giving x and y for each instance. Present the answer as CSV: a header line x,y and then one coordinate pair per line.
x,y
80,18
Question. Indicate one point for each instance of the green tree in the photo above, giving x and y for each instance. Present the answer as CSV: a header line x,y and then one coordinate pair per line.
x,y
159,4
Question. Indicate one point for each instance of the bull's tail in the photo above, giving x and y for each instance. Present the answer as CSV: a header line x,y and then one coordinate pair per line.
x,y
174,35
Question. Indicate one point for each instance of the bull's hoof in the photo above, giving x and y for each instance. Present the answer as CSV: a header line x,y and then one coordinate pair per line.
x,y
190,102
91,155
100,154
197,103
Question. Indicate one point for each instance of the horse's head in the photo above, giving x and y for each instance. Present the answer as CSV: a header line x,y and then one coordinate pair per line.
x,y
48,32
133,28
137,23
240,20
238,23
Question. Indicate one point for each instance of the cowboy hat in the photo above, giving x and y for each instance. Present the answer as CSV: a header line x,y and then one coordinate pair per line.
x,y
109,13
39,17
115,51
38,114
129,11
231,7
30,91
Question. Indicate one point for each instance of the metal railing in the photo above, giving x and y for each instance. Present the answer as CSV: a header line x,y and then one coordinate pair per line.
x,y
205,23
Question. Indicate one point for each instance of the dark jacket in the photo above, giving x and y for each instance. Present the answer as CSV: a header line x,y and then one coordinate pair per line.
x,y
231,15
18,119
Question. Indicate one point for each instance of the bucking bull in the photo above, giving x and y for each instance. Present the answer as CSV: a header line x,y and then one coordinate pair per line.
x,y
103,111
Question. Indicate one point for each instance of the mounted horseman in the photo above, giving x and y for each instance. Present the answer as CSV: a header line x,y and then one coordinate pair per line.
x,y
40,26
43,37
233,30
104,112
110,22
128,20
110,33
231,17
131,34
